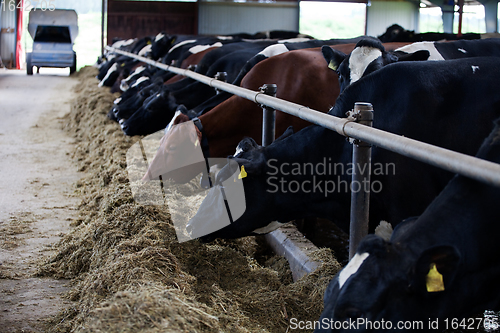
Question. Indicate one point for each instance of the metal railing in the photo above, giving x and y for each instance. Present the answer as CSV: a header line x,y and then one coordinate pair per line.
x,y
469,166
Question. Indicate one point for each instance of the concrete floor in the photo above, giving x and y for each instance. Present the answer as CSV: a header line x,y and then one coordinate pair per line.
x,y
37,203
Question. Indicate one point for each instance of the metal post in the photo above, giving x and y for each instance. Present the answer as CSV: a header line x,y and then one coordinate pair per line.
x,y
104,13
268,116
360,186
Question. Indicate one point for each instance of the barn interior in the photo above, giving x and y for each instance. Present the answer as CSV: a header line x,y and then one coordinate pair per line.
x,y
78,253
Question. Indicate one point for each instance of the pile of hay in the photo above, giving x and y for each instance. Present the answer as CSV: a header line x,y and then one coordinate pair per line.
x,y
130,274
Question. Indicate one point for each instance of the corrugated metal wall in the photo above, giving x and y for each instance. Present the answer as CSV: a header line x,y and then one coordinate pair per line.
x,y
8,35
382,14
230,17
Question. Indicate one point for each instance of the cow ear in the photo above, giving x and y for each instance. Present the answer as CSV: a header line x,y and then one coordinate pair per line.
x,y
436,269
333,57
421,55
286,134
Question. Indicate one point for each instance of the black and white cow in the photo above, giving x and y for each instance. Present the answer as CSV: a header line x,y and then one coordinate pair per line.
x,y
443,265
181,49
370,55
396,33
434,102
160,45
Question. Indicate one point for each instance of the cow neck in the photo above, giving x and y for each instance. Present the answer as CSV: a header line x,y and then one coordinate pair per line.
x,y
298,149
228,123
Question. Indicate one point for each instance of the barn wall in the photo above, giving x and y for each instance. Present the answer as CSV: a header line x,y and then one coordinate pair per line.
x,y
382,14
231,17
130,19
8,35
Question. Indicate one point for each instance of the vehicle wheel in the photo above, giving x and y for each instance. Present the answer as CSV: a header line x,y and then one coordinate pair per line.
x,y
72,69
29,66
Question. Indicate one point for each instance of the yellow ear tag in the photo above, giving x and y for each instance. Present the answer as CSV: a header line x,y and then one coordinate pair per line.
x,y
332,66
434,280
243,173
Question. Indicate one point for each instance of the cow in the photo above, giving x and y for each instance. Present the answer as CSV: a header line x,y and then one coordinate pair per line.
x,y
281,34
370,55
439,267
181,48
434,102
396,33
160,45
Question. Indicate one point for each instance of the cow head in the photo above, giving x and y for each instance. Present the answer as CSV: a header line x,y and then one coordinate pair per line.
x,y
396,33
161,44
250,161
146,121
368,56
385,282
136,74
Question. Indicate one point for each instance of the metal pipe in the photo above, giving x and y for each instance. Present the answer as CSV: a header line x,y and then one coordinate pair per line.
x,y
360,185
268,116
478,169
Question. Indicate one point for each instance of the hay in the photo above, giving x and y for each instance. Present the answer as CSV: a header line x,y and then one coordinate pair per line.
x,y
16,225
130,274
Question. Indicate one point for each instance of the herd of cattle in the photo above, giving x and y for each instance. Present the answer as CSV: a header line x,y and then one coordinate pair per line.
x,y
442,92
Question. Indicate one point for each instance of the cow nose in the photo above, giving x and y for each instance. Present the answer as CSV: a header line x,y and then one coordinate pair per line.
x,y
124,126
123,85
115,111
